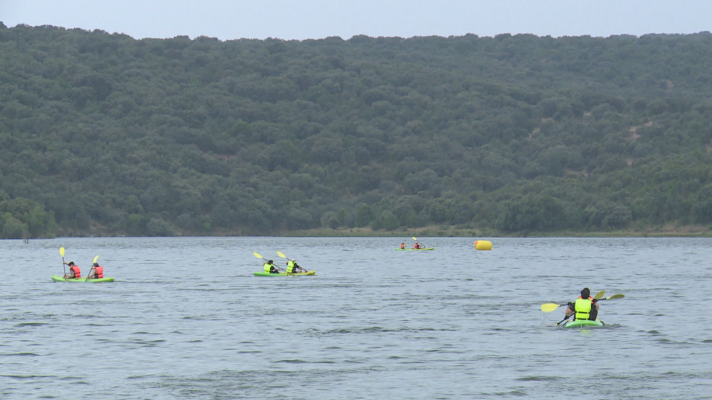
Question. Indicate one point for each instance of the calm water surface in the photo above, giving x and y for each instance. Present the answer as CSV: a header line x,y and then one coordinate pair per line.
x,y
186,319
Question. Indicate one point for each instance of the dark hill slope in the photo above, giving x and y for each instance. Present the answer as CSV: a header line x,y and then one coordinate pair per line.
x,y
105,134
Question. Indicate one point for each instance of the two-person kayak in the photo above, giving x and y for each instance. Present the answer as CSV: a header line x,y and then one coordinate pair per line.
x,y
58,278
427,248
262,273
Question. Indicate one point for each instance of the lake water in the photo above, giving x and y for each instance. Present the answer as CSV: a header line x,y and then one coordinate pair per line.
x,y
186,319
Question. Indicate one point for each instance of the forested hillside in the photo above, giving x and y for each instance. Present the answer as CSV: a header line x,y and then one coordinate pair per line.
x,y
102,134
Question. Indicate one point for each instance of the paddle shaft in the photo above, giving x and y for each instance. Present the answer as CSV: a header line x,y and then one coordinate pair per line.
x,y
565,318
61,252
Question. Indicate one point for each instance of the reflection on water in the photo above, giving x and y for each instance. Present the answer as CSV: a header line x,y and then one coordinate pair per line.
x,y
186,318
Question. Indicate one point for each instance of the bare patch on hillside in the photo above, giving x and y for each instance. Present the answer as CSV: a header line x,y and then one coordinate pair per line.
x,y
634,130
629,161
572,172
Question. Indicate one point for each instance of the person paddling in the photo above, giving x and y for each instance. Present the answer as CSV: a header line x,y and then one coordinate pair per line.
x,y
585,307
270,268
96,272
293,267
74,272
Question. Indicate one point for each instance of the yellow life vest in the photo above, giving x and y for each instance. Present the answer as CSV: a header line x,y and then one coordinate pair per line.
x,y
267,268
290,266
583,308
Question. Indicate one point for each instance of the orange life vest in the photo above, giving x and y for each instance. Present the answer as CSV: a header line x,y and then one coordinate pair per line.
x,y
402,246
99,272
75,269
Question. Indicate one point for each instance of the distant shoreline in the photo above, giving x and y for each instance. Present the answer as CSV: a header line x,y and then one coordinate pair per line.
x,y
433,231
485,234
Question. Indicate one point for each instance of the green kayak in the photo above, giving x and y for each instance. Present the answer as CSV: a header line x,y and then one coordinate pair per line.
x,y
427,248
57,278
262,273
583,323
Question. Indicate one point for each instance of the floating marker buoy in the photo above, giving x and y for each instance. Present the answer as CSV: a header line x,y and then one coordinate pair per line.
x,y
483,245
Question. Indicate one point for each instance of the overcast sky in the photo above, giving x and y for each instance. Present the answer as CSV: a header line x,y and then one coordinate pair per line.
x,y
316,19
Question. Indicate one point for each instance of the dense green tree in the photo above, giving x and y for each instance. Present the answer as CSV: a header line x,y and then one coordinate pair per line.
x,y
531,212
364,215
702,209
24,218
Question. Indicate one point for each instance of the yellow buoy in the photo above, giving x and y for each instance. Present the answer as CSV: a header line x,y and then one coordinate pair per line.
x,y
483,245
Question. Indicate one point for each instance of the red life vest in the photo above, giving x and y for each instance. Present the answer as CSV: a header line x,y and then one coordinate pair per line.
x,y
77,273
99,272
416,246
402,246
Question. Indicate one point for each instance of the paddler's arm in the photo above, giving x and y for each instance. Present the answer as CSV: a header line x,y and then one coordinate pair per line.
x,y
569,310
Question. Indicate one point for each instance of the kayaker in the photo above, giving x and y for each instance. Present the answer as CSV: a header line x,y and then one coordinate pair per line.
x,y
585,307
74,272
293,267
96,271
402,246
270,268
416,245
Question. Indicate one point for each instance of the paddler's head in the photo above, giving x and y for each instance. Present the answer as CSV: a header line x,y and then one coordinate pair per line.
x,y
71,263
585,293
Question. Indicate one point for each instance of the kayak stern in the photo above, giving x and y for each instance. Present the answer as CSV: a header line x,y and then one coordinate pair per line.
x,y
583,323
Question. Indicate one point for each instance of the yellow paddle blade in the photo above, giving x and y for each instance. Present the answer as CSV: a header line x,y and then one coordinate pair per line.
x,y
61,251
414,238
549,307
279,253
599,294
615,296
96,258
258,255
